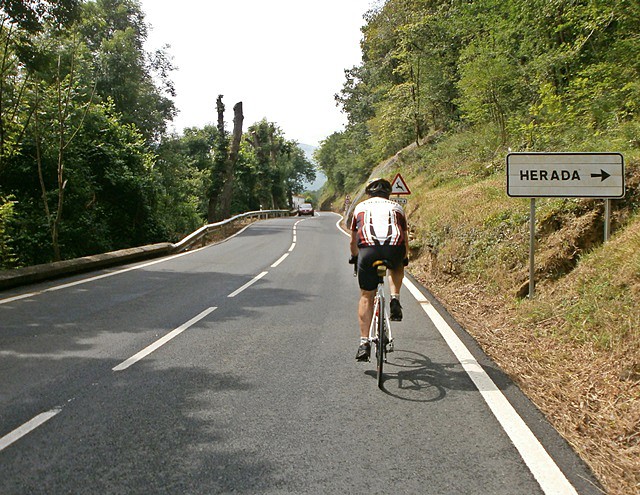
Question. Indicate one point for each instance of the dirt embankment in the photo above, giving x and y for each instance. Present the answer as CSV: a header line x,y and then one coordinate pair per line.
x,y
575,349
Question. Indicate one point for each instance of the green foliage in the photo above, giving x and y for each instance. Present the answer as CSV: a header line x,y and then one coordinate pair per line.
x,y
115,32
7,213
31,15
86,165
183,174
280,166
345,158
74,153
537,74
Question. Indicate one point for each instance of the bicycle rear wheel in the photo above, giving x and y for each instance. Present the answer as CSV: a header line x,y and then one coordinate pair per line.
x,y
380,345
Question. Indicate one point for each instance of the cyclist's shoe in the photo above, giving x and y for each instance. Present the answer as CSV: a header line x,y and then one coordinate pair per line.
x,y
363,352
395,310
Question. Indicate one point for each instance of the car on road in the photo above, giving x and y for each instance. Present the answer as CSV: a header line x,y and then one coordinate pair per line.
x,y
306,209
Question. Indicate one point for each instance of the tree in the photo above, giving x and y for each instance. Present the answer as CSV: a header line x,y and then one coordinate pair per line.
x,y
297,170
488,85
230,162
225,158
62,135
7,256
13,90
115,32
58,105
33,15
20,22
269,145
182,170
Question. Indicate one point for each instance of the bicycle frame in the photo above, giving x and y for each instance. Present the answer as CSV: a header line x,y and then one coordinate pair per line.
x,y
373,327
380,324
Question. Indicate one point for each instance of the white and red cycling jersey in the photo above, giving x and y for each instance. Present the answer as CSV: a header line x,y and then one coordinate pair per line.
x,y
379,221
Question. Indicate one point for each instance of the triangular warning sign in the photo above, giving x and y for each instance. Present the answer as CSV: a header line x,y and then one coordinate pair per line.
x,y
399,186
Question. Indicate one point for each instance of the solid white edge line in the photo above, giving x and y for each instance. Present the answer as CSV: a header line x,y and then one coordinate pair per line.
x,y
282,258
93,279
26,428
160,342
18,297
111,274
542,466
338,225
247,285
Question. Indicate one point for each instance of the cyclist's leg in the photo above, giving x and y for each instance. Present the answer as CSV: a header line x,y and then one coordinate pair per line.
x,y
368,282
396,275
365,311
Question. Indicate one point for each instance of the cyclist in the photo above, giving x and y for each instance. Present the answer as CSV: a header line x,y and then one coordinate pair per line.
x,y
378,231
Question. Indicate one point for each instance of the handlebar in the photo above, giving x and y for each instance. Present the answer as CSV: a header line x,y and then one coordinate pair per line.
x,y
354,261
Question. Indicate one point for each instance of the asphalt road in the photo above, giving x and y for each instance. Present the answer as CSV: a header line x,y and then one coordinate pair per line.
x,y
231,370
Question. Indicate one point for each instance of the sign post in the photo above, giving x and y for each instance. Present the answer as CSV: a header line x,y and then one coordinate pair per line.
x,y
532,247
564,175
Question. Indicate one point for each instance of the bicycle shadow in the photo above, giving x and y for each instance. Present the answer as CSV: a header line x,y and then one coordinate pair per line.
x,y
412,376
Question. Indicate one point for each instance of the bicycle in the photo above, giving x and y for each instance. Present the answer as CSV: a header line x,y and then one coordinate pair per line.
x,y
380,334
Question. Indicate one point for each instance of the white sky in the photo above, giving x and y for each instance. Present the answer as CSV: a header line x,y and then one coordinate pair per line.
x,y
284,59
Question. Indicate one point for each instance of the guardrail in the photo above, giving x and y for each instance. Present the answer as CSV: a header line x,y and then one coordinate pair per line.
x,y
201,237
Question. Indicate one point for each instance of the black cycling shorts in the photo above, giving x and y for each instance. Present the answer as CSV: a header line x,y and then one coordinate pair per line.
x,y
367,273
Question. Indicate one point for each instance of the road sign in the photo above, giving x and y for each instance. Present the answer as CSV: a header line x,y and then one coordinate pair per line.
x,y
399,186
566,175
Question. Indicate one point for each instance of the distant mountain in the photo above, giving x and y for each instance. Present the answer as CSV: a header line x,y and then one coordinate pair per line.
x,y
320,177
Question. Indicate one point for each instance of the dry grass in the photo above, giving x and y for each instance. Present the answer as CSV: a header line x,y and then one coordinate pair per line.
x,y
574,350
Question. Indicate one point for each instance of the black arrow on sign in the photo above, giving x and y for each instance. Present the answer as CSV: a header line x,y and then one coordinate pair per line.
x,y
603,175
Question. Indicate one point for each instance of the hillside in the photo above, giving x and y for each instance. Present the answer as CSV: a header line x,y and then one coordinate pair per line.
x,y
575,348
320,180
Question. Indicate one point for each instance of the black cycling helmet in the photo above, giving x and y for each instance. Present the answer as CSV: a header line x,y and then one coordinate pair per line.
x,y
378,187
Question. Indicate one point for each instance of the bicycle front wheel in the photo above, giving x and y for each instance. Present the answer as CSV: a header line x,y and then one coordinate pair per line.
x,y
380,346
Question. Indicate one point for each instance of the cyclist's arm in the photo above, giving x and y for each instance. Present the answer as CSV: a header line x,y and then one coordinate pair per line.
x,y
406,238
354,243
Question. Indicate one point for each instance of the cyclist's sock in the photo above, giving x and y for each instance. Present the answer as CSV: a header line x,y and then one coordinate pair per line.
x,y
395,296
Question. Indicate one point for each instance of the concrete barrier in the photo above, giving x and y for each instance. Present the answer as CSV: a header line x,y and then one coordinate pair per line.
x,y
38,273
48,271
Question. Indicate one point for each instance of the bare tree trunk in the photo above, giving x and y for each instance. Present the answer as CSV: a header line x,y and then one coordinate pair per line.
x,y
220,110
232,159
213,210
220,202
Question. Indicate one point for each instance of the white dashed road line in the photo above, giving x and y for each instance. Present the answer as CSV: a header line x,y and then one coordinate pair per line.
x,y
282,258
39,420
247,285
26,428
159,343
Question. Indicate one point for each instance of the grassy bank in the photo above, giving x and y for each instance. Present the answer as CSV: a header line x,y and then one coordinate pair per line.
x,y
575,348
